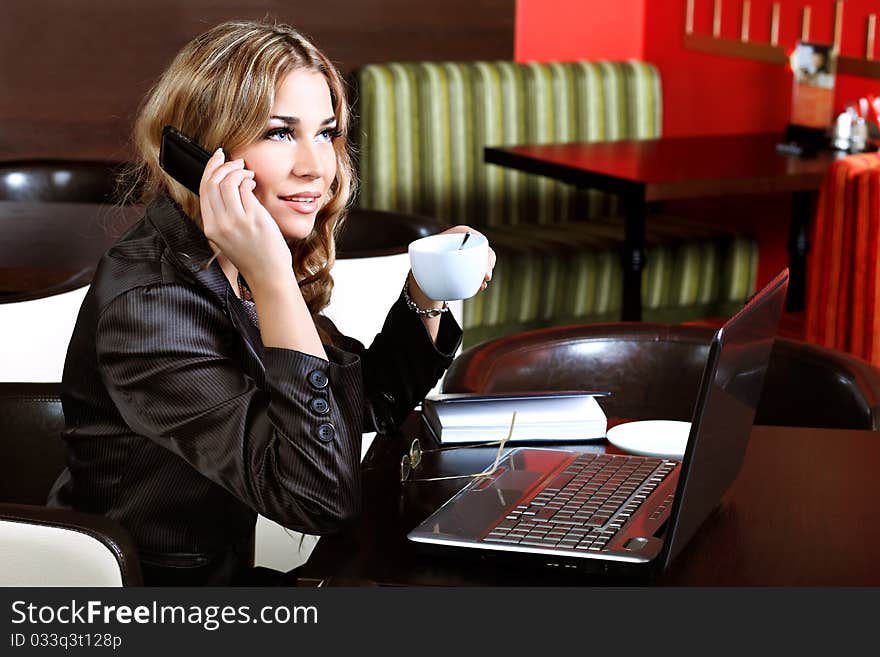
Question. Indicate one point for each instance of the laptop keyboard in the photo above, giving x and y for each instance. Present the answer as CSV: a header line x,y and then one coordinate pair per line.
x,y
584,506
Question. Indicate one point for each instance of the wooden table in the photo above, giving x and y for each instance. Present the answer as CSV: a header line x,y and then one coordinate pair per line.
x,y
801,513
647,171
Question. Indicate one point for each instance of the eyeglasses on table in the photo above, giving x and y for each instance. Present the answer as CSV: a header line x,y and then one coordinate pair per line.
x,y
410,461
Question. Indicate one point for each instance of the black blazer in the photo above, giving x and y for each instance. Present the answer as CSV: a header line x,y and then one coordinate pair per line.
x,y
182,426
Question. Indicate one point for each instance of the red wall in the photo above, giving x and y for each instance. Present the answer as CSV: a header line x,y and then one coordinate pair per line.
x,y
565,30
703,94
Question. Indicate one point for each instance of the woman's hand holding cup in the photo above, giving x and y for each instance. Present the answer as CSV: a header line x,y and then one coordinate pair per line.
x,y
452,264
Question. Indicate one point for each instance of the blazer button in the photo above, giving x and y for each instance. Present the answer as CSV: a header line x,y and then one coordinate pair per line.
x,y
318,379
319,405
326,432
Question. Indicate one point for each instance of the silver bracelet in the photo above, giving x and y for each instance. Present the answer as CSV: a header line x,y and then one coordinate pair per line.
x,y
426,312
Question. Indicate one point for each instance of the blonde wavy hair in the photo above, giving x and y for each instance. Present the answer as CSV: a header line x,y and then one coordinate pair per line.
x,y
219,90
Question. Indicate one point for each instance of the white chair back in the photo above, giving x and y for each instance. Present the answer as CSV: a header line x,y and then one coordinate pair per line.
x,y
46,555
34,335
364,289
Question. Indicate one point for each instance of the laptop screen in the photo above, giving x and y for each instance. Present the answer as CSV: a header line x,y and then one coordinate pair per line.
x,y
724,412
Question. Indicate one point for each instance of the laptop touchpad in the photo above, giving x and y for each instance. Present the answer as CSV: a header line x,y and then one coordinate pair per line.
x,y
486,501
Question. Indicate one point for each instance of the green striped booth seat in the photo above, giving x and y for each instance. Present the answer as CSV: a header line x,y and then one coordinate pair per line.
x,y
571,273
422,130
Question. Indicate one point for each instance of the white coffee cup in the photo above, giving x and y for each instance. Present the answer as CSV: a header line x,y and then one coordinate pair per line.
x,y
445,270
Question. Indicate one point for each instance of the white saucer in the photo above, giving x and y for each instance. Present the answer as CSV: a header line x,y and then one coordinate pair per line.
x,y
662,438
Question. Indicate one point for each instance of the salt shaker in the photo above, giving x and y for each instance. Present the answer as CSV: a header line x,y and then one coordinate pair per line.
x,y
859,138
843,128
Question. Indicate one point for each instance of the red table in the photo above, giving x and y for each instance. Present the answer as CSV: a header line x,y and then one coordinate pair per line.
x,y
647,171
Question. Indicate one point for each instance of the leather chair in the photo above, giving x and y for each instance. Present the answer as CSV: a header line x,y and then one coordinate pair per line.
x,y
60,246
58,217
40,546
372,233
51,260
56,181
33,455
371,265
366,233
653,372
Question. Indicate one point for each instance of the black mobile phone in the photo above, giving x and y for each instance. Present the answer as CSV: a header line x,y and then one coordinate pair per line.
x,y
182,158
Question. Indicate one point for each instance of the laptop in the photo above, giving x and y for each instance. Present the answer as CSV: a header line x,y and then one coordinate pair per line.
x,y
596,511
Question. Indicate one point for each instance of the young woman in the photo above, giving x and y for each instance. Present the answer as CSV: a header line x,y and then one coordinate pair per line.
x,y
202,386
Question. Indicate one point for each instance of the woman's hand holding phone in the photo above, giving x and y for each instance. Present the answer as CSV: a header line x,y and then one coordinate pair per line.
x,y
238,224
247,235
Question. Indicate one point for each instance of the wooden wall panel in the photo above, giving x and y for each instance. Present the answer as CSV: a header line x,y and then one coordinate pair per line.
x,y
73,72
